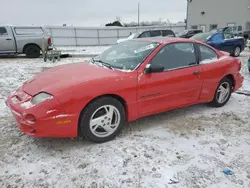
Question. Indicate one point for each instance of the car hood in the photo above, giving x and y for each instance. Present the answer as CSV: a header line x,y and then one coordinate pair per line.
x,y
54,80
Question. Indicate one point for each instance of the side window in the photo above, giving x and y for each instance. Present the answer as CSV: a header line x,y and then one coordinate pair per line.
x,y
228,35
167,33
207,55
144,34
217,37
175,55
155,33
240,28
3,31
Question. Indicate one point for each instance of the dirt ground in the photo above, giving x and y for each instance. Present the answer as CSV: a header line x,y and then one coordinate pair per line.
x,y
191,146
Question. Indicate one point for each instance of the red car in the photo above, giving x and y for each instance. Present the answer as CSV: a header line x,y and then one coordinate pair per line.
x,y
130,80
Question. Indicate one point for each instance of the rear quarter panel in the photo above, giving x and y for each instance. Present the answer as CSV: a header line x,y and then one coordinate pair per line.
x,y
237,41
213,73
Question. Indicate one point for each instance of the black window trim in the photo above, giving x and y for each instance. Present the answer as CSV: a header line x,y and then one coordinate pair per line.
x,y
182,67
199,52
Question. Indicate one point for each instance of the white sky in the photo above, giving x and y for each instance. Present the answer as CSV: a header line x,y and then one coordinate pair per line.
x,y
88,12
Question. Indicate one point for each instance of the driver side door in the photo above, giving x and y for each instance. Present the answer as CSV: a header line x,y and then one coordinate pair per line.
x,y
178,85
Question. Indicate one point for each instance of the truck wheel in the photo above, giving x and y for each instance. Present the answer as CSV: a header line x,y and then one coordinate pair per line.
x,y
237,51
32,51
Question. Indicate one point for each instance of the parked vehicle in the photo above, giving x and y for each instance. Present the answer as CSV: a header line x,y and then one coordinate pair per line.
x,y
130,80
235,30
222,41
23,40
149,33
190,33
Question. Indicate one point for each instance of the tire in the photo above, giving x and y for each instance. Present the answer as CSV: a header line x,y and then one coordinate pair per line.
x,y
237,51
32,51
99,130
216,102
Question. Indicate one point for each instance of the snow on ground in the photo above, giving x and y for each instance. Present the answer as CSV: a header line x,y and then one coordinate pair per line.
x,y
191,145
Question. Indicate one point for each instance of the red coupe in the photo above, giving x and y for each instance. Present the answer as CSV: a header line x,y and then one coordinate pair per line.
x,y
130,80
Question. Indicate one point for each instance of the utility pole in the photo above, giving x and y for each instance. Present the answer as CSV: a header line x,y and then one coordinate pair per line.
x,y
138,14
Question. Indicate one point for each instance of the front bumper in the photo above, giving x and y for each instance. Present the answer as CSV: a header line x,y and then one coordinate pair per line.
x,y
51,120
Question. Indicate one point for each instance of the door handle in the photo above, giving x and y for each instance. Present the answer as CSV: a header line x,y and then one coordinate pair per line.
x,y
196,72
8,39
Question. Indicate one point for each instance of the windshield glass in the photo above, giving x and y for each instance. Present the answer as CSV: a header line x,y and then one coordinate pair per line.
x,y
201,36
184,32
127,55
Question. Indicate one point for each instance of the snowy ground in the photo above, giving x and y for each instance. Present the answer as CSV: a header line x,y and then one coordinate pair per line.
x,y
191,145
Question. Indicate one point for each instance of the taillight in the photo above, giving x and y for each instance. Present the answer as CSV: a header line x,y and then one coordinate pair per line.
x,y
240,65
49,41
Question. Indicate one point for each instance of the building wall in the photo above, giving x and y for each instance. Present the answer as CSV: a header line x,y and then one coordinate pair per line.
x,y
220,12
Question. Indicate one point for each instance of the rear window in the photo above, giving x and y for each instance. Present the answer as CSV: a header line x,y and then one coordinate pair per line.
x,y
167,33
29,31
201,36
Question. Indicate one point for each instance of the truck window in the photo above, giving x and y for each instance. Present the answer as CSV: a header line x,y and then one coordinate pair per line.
x,y
28,31
168,33
3,31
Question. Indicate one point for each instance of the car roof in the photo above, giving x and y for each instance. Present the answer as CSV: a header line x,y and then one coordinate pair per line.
x,y
165,39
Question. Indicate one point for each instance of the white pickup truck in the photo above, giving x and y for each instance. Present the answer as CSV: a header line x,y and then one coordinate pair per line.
x,y
23,40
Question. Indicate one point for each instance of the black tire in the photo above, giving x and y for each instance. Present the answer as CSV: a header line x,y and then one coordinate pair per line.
x,y
32,51
236,53
215,102
84,124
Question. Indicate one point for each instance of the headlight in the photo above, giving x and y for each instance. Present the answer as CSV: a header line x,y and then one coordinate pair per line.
x,y
40,97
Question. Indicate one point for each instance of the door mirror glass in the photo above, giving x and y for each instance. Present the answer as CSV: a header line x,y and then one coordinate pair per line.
x,y
150,68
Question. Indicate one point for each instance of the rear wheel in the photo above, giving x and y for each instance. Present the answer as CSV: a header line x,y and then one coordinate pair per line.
x,y
102,119
223,93
32,51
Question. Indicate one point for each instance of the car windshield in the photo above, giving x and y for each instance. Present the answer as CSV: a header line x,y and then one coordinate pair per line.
x,y
201,36
184,32
126,55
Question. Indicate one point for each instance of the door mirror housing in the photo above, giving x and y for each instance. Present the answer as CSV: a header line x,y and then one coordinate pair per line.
x,y
153,68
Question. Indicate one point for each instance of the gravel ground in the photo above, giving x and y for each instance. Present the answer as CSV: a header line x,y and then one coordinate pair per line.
x,y
192,146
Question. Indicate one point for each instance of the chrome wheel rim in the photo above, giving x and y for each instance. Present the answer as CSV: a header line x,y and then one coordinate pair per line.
x,y
237,51
105,121
223,92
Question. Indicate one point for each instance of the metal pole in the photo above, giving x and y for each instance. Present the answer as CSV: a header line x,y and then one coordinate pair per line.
x,y
138,14
187,14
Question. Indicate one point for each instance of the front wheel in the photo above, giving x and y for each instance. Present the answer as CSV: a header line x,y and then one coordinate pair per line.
x,y
102,119
237,51
222,93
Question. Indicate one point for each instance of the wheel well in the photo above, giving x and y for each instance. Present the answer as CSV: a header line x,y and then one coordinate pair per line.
x,y
26,45
117,97
231,77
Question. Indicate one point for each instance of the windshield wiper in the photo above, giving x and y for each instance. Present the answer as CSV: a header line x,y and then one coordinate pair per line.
x,y
102,63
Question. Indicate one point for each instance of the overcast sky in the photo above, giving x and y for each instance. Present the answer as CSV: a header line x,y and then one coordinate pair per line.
x,y
88,12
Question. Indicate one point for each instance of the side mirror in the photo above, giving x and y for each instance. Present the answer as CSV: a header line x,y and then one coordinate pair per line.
x,y
153,69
